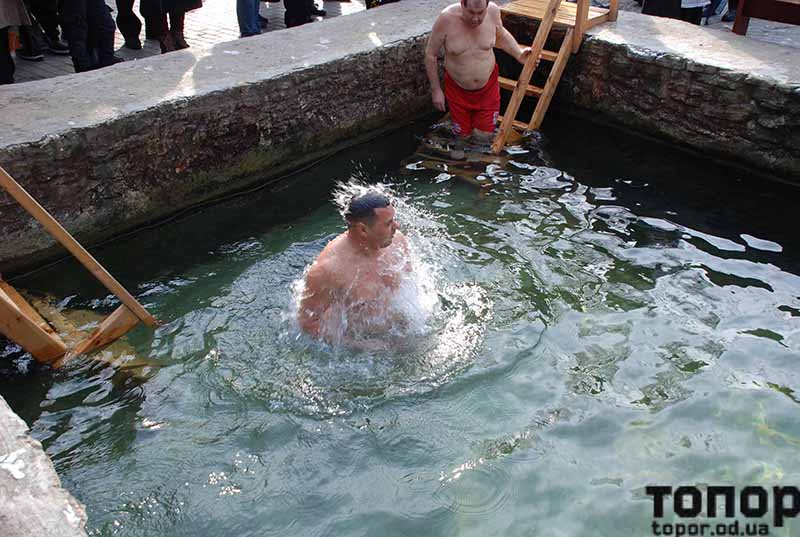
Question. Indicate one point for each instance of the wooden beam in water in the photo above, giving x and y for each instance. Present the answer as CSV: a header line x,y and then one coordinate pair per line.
x,y
112,328
26,332
68,241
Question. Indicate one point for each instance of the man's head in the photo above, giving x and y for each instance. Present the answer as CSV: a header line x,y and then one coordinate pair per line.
x,y
473,12
370,217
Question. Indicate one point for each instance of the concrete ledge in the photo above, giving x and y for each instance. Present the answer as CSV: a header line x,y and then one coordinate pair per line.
x,y
32,501
708,90
109,150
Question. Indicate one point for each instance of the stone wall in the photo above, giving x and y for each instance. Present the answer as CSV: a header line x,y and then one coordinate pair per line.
x,y
32,501
108,150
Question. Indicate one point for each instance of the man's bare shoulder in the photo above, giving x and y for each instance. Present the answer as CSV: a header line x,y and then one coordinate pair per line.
x,y
493,11
333,262
450,13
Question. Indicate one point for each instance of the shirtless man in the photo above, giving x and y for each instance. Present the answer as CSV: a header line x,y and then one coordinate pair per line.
x,y
468,32
349,287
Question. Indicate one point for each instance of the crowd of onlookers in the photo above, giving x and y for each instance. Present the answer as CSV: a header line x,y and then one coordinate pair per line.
x,y
85,29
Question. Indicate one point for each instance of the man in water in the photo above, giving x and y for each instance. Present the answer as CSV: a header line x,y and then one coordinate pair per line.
x,y
468,31
350,286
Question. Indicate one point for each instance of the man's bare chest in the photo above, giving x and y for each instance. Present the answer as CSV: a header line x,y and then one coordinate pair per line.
x,y
461,41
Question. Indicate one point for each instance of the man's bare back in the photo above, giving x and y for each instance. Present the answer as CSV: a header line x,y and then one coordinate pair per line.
x,y
350,286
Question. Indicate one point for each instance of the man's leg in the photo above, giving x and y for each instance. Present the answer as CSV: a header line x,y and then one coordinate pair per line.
x,y
102,27
129,24
484,122
6,61
46,12
247,16
76,31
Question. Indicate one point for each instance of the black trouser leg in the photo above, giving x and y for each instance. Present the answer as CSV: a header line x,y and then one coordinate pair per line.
x,y
101,30
6,61
128,23
75,25
46,12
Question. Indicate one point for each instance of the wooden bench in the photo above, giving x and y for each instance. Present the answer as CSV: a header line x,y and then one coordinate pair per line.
x,y
787,11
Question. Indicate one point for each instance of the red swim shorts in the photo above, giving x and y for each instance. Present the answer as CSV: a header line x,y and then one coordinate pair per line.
x,y
473,109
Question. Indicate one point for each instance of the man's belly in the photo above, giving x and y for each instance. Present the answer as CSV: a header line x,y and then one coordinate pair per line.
x,y
471,73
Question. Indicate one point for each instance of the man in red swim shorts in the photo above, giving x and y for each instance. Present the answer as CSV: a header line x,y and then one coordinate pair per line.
x,y
468,31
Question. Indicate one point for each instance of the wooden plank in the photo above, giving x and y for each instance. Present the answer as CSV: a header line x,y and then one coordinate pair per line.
x,y
566,15
511,85
24,331
581,20
517,124
552,81
26,308
549,55
525,76
113,327
62,236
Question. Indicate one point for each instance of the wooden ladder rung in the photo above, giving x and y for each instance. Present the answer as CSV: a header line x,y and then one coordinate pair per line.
x,y
517,124
511,85
547,55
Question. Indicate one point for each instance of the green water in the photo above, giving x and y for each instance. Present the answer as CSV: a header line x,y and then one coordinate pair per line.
x,y
612,316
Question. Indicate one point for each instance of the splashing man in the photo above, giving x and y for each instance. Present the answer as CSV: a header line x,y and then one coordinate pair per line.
x,y
350,286
468,31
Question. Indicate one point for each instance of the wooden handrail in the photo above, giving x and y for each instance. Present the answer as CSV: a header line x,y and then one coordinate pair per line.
x,y
581,22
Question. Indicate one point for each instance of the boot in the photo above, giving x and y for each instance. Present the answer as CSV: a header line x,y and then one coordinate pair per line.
x,y
165,36
176,20
167,43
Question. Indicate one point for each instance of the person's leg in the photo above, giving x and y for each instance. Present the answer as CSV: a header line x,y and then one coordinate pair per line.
x,y
164,35
247,16
103,29
484,122
176,23
692,15
487,104
75,26
32,43
296,13
46,12
129,24
460,115
6,61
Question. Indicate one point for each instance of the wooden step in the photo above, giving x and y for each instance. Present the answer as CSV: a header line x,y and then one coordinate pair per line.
x,y
510,85
517,124
549,55
566,15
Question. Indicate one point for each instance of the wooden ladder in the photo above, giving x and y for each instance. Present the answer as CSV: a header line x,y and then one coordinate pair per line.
x,y
21,323
577,18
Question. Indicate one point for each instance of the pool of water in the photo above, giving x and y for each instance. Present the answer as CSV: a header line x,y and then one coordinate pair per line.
x,y
613,314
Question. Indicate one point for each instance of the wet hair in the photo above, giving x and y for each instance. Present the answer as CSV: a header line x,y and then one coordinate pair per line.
x,y
362,208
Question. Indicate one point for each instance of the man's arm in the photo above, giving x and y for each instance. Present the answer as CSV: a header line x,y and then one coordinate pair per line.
x,y
316,300
504,40
435,44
